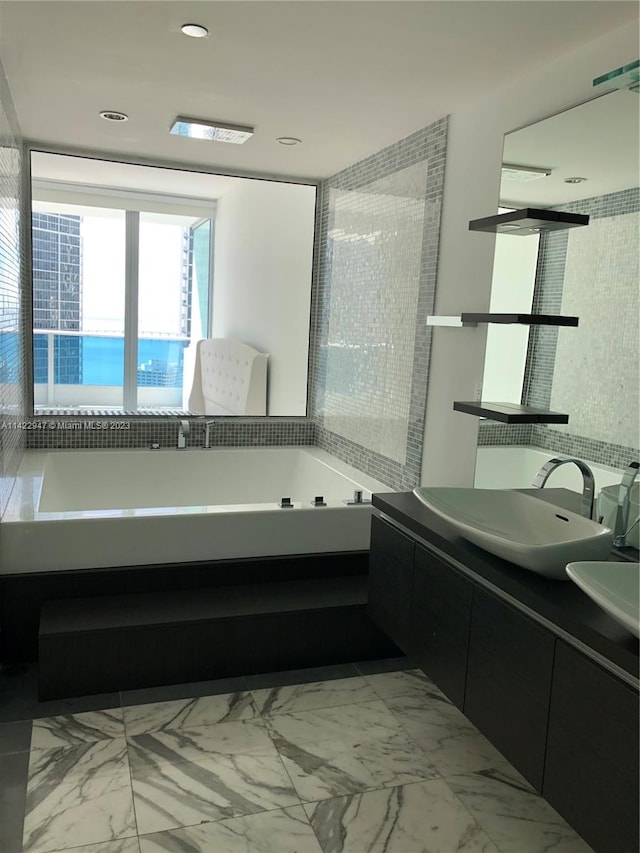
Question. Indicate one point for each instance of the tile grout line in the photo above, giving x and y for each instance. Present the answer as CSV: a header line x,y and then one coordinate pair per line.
x,y
263,717
133,799
443,779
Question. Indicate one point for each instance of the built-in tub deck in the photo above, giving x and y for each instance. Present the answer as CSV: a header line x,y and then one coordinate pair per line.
x,y
90,509
124,569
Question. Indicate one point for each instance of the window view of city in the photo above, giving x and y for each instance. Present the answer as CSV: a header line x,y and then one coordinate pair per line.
x,y
79,259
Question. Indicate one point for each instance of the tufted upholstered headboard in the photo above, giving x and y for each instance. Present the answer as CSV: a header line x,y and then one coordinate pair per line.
x,y
230,378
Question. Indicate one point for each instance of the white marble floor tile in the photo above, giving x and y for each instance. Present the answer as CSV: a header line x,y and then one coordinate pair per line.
x,y
189,713
424,817
279,831
78,795
318,694
516,818
409,683
223,740
76,729
453,744
122,845
169,796
343,723
346,749
185,776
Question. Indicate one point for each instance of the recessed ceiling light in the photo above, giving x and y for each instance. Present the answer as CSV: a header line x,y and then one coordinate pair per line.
x,y
215,131
523,173
288,140
195,31
112,115
574,180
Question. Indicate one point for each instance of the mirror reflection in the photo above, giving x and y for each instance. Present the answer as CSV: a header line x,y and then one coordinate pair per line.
x,y
160,290
590,155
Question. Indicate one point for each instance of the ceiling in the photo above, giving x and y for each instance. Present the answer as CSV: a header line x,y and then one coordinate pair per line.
x,y
146,179
346,77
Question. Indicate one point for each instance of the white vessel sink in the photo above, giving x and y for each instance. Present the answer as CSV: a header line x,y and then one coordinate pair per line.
x,y
614,586
520,528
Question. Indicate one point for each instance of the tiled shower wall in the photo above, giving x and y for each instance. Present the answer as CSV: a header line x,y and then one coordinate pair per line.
x,y
378,255
591,372
12,410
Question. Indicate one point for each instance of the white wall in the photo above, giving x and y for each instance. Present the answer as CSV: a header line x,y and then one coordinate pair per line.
x,y
514,273
471,190
262,281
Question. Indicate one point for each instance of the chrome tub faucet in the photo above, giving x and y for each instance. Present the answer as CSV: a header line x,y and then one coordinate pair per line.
x,y
588,481
207,434
184,429
622,511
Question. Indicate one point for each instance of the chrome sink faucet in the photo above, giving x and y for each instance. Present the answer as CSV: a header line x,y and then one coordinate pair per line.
x,y
184,428
622,511
588,481
207,434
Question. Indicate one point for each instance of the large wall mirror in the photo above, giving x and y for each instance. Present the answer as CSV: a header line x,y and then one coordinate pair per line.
x,y
133,265
584,160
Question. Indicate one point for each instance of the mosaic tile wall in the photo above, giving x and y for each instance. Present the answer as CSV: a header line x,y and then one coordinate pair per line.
x,y
597,377
378,255
551,439
76,433
603,291
12,410
492,434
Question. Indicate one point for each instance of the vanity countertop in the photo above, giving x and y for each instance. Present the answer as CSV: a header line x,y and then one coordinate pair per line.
x,y
562,606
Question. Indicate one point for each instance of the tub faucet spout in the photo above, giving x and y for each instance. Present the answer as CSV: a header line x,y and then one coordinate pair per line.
x,y
622,512
588,481
183,431
207,434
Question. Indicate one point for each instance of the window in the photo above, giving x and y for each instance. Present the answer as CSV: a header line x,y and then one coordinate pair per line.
x,y
110,332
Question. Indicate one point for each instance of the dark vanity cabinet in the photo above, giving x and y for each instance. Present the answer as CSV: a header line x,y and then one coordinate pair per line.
x,y
509,682
390,580
422,604
591,770
568,724
440,619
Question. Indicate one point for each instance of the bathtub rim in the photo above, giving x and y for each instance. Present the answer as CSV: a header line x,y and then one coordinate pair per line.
x,y
23,503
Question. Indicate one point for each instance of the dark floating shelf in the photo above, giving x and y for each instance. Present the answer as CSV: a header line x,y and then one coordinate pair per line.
x,y
529,220
520,319
510,413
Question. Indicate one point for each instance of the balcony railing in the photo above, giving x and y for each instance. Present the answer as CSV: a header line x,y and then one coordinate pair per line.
x,y
76,368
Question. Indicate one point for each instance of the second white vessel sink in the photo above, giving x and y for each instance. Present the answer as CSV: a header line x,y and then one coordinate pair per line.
x,y
614,586
520,528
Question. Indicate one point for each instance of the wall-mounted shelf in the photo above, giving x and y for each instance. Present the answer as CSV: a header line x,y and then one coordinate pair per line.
x,y
468,319
529,220
520,319
509,413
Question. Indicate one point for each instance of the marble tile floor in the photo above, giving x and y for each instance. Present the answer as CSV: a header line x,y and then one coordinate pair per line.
x,y
362,758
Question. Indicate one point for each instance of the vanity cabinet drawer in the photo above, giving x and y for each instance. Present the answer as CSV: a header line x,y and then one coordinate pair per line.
x,y
390,581
591,770
440,621
509,682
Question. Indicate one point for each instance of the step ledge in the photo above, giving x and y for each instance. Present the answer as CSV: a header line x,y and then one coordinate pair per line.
x,y
133,610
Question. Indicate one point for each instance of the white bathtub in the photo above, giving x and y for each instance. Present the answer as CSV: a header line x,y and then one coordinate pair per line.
x,y
516,468
90,509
